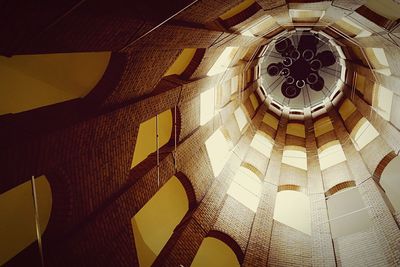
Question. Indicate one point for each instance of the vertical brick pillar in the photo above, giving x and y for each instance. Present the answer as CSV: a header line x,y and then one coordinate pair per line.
x,y
322,244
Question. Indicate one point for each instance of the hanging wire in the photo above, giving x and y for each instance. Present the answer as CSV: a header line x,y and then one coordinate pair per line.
x,y
158,153
37,221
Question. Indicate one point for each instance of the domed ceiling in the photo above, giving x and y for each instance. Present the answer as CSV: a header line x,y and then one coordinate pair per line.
x,y
301,69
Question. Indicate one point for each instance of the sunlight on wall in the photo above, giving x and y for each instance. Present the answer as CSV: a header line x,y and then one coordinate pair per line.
x,y
241,118
322,126
32,81
330,154
299,15
292,208
390,182
351,28
214,253
295,156
154,224
207,105
363,134
223,61
234,84
181,63
218,150
246,188
263,143
17,223
146,138
383,101
347,213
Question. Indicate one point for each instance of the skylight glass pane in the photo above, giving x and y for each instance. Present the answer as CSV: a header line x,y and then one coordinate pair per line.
x,y
330,154
363,134
262,144
207,106
240,118
218,150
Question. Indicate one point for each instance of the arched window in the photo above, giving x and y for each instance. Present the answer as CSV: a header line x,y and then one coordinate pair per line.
x,y
146,142
363,134
246,188
181,63
390,182
292,208
215,253
295,156
17,223
330,154
155,223
32,81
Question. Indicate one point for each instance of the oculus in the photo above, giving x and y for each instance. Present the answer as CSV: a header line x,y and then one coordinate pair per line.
x,y
300,65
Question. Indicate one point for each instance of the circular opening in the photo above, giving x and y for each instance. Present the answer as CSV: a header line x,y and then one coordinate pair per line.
x,y
285,72
312,78
295,55
316,64
308,54
273,70
290,80
282,45
300,83
287,62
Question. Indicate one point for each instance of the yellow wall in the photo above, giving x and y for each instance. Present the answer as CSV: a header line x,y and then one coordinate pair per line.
x,y
154,224
17,221
254,101
385,8
271,121
346,109
236,9
214,253
181,62
296,129
322,126
146,140
33,81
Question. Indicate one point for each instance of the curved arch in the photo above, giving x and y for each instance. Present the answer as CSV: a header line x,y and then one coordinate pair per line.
x,y
218,250
390,182
181,62
339,187
34,81
17,226
155,222
239,13
292,208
